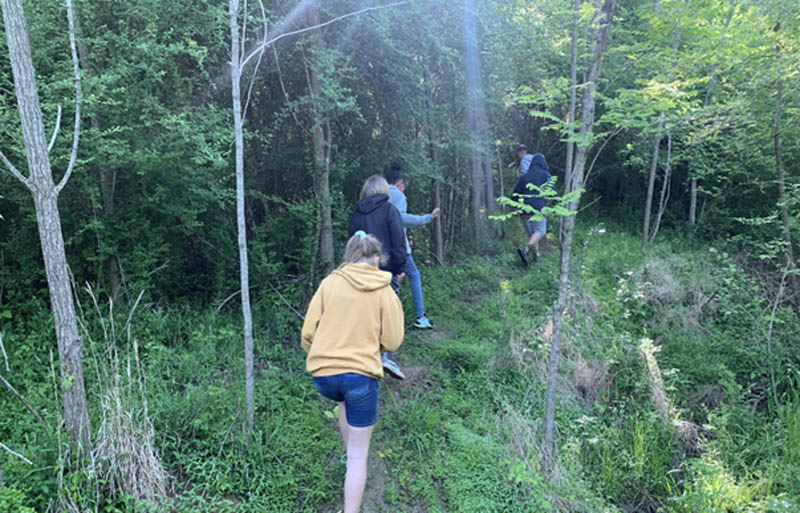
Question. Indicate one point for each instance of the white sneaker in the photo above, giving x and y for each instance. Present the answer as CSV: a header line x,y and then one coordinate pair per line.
x,y
392,368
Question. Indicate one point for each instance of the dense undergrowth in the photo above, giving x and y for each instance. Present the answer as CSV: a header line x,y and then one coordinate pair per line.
x,y
680,393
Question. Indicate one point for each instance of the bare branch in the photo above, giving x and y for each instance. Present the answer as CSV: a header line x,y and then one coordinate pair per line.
x,y
18,455
599,151
78,98
13,170
5,356
292,109
25,403
258,63
298,314
55,131
314,27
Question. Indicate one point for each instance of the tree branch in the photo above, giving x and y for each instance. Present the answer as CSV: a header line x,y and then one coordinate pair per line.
x,y
298,314
314,27
55,131
25,403
5,356
13,170
78,98
599,151
18,455
258,62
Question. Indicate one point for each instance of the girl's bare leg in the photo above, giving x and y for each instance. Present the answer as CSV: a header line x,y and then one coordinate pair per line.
x,y
355,480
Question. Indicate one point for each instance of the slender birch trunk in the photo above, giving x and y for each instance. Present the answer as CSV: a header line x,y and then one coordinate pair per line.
x,y
244,274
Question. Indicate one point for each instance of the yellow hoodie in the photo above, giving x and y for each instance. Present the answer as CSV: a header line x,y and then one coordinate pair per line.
x,y
353,315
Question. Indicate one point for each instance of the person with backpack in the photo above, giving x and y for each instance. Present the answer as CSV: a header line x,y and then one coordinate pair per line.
x,y
376,216
537,174
353,315
397,197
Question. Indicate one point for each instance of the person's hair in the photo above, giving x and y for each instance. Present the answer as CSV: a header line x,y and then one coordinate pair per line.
x,y
375,184
361,247
395,174
522,148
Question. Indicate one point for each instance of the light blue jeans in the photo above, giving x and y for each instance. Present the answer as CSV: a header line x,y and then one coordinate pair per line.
x,y
415,282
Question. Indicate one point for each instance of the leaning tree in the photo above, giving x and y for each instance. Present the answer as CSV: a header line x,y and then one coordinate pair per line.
x,y
45,193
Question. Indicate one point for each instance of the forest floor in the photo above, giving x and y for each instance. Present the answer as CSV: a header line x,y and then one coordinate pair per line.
x,y
462,433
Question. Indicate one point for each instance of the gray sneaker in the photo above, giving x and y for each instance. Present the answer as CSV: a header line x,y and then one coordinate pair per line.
x,y
423,323
392,368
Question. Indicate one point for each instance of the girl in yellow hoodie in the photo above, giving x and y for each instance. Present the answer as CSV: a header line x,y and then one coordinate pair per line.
x,y
352,317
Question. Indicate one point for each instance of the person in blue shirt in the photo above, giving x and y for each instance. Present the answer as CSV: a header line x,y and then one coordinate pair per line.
x,y
397,197
524,159
537,174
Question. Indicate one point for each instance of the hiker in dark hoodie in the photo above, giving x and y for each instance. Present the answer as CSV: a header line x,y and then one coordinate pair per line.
x,y
376,216
537,174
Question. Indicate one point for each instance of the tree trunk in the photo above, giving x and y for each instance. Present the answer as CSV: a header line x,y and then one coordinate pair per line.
x,y
779,170
322,144
604,14
488,177
438,224
651,183
244,275
476,120
665,188
654,164
45,198
573,87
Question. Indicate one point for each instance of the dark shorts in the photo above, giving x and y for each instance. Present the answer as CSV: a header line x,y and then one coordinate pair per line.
x,y
358,392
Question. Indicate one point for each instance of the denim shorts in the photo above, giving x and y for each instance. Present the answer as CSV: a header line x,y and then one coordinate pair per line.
x,y
532,226
358,392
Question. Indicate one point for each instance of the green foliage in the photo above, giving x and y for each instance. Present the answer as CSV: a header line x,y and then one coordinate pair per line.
x,y
557,206
12,501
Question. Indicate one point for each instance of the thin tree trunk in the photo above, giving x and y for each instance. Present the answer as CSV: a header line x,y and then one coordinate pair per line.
x,y
500,170
573,87
665,188
489,181
476,119
438,223
651,182
573,100
779,170
244,274
654,161
603,17
45,198
322,143
437,203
